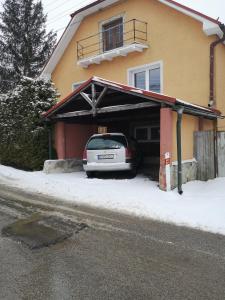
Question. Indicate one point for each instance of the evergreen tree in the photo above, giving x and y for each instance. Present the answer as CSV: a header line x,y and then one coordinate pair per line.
x,y
24,44
23,136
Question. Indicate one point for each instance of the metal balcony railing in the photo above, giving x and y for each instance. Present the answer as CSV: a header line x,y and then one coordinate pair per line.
x,y
123,34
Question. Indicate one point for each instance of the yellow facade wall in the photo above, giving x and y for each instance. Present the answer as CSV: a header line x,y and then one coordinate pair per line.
x,y
190,124
207,125
175,39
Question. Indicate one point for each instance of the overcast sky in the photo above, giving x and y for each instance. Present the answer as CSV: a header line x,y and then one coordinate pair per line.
x,y
59,11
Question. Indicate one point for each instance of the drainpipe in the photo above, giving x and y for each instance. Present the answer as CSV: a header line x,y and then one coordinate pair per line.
x,y
212,100
179,150
215,149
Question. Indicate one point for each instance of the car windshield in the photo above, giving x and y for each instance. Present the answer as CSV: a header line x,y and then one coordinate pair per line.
x,y
107,142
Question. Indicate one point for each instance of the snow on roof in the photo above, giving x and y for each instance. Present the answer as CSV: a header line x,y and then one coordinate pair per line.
x,y
155,97
210,27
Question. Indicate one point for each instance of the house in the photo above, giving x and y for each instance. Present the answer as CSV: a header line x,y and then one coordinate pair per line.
x,y
153,69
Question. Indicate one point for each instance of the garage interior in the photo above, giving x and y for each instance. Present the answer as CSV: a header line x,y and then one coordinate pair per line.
x,y
136,126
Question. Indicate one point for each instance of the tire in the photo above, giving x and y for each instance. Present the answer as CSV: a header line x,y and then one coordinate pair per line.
x,y
90,174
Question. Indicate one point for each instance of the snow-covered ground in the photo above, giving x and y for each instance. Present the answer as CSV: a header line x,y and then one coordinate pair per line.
x,y
201,206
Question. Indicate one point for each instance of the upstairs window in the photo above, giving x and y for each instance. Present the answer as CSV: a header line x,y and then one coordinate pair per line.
x,y
140,80
112,34
148,77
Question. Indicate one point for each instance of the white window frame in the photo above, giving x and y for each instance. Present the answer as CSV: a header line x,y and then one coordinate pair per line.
x,y
149,127
145,68
102,23
77,83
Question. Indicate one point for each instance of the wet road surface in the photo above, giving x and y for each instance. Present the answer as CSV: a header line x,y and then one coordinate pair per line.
x,y
113,257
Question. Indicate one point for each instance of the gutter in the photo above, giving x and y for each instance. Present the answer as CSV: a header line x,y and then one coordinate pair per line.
x,y
212,100
195,112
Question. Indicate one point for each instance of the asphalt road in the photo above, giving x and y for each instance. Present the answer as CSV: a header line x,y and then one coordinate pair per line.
x,y
114,257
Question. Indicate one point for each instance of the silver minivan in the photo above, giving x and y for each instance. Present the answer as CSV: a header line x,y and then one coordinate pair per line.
x,y
109,152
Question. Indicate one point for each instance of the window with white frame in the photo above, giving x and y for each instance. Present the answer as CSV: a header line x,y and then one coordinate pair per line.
x,y
147,133
148,77
76,85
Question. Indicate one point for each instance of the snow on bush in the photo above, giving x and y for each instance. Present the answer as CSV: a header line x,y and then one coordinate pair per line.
x,y
23,135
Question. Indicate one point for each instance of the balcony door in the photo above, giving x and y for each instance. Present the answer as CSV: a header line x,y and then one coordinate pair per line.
x,y
112,34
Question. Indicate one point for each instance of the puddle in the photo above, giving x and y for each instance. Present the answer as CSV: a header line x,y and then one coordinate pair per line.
x,y
36,234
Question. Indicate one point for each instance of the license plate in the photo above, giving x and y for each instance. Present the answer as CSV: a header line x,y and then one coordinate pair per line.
x,y
106,156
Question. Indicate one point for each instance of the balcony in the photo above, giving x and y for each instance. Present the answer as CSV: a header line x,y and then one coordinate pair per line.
x,y
116,39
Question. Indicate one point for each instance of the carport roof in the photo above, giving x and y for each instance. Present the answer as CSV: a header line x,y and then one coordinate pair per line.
x,y
156,98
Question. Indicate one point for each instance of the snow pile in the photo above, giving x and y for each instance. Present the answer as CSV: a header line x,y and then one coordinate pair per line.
x,y
201,206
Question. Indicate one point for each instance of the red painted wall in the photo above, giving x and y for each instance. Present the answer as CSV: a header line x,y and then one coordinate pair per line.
x,y
60,139
70,139
166,131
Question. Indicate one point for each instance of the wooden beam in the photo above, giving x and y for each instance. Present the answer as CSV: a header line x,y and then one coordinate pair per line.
x,y
93,92
74,114
125,107
100,97
107,110
86,98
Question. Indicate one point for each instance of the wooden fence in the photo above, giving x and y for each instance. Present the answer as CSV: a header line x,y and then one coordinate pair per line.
x,y
221,153
204,152
210,155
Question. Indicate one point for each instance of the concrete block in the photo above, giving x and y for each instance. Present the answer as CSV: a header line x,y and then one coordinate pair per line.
x,y
62,166
189,172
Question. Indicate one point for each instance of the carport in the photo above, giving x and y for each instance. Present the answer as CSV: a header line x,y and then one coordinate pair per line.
x,y
100,105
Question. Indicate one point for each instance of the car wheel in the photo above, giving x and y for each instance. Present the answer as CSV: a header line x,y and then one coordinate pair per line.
x,y
90,174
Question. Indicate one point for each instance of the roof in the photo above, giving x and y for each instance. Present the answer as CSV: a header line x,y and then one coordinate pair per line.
x,y
151,96
167,2
210,26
